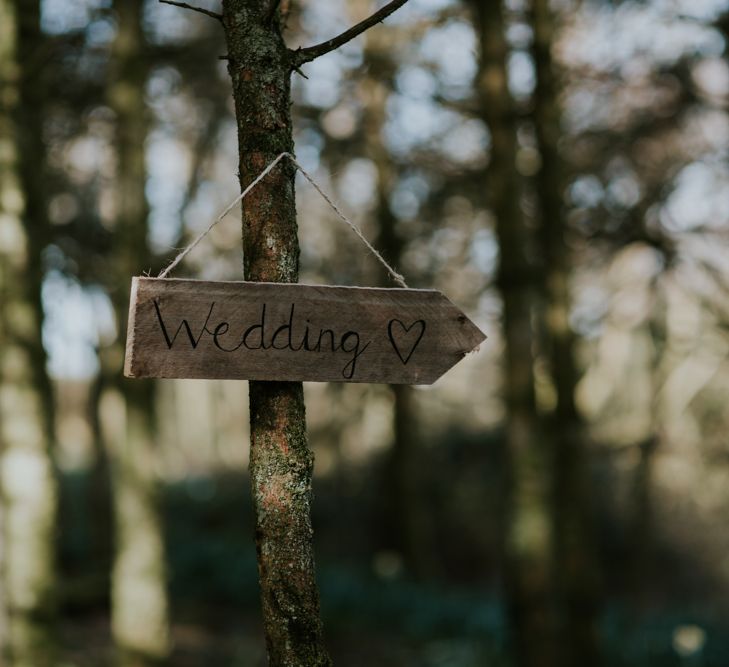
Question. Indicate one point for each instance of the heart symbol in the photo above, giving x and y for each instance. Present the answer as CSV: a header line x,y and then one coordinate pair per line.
x,y
400,347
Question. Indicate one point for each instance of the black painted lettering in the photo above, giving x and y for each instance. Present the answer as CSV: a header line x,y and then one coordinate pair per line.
x,y
333,347
221,330
284,327
348,370
254,327
193,340
255,337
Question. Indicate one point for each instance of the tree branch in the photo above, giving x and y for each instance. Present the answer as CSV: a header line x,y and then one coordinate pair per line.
x,y
306,55
184,5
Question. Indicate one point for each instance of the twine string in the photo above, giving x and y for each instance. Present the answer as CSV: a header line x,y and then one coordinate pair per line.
x,y
398,278
227,210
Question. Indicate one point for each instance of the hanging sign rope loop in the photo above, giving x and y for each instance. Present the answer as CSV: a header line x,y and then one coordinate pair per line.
x,y
398,278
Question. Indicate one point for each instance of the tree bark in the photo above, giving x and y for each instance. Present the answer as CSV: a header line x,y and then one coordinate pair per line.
x,y
574,544
140,623
26,401
281,462
527,525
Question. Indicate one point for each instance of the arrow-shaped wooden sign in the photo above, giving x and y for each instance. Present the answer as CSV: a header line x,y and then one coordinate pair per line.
x,y
276,331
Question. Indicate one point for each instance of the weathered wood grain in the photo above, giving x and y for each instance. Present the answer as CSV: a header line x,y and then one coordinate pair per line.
x,y
275,331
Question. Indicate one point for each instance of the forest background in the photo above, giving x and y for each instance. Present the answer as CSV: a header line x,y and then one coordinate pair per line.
x,y
559,169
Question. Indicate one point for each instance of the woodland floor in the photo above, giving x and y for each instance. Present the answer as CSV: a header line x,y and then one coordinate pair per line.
x,y
451,621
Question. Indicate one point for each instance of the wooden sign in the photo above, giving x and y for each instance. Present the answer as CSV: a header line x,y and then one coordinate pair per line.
x,y
276,331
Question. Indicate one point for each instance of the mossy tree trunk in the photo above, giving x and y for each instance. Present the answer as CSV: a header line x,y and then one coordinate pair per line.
x,y
281,464
27,476
574,545
140,623
527,524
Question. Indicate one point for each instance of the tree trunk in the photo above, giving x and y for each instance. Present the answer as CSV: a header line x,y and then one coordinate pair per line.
x,y
405,512
576,563
281,462
642,535
140,623
98,496
527,529
26,404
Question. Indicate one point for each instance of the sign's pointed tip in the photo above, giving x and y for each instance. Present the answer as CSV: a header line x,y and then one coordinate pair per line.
x,y
472,332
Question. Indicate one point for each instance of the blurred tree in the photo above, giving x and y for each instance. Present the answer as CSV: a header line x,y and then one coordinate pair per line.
x,y
641,522
528,539
139,599
574,560
635,154
26,403
405,510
